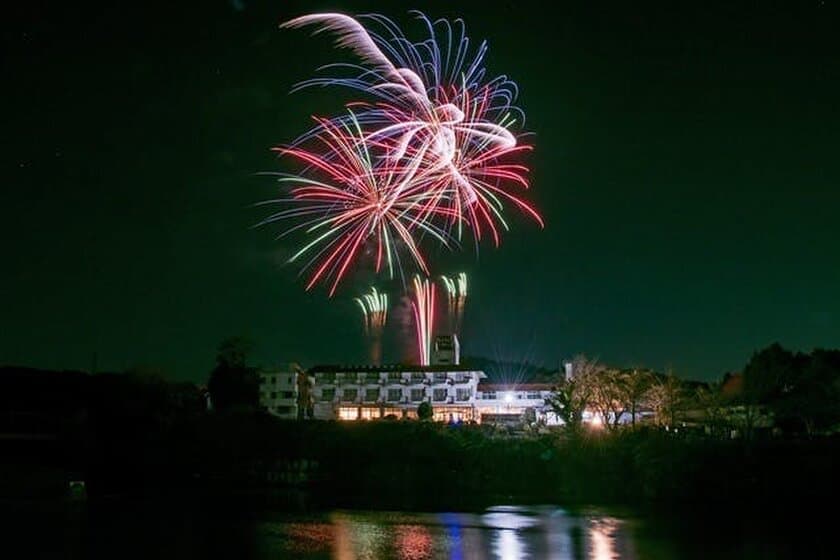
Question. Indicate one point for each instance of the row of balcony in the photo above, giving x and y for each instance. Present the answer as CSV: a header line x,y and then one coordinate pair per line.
x,y
391,379
402,400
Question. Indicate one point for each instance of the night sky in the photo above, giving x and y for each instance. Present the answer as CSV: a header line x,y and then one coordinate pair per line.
x,y
686,166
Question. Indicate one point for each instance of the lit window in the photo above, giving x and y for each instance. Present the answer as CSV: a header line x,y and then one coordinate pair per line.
x,y
448,414
348,413
370,413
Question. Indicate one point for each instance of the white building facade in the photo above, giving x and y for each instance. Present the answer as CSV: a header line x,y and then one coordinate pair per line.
x,y
373,392
515,404
279,390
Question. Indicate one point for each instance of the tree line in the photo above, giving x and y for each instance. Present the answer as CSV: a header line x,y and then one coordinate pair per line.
x,y
792,392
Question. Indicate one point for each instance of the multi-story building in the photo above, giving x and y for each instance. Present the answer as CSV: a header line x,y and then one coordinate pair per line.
x,y
514,404
371,392
279,390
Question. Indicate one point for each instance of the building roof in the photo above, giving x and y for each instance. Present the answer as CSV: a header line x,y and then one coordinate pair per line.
x,y
514,387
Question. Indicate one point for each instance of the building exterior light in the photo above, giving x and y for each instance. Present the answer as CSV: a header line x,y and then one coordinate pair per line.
x,y
508,397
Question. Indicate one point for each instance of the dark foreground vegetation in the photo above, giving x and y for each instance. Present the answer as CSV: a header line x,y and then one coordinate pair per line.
x,y
134,434
431,466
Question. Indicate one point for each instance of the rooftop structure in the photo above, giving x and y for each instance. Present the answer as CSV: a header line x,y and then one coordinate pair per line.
x,y
446,351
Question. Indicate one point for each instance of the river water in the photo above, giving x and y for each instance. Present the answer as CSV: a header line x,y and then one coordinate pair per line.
x,y
503,532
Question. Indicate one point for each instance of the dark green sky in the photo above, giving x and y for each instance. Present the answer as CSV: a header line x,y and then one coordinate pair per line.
x,y
686,165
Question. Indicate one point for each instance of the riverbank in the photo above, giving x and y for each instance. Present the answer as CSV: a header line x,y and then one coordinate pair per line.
x,y
259,461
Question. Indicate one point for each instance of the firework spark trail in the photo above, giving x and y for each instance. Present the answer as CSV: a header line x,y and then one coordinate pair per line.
x,y
423,306
374,307
478,199
462,301
451,299
357,204
436,112
456,298
413,76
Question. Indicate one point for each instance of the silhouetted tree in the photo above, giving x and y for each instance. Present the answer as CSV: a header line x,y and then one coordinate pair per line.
x,y
770,377
609,396
815,397
711,400
572,394
666,397
637,384
233,352
232,383
424,411
618,392
770,374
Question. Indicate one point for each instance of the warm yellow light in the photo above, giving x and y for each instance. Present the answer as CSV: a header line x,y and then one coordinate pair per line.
x,y
370,413
348,413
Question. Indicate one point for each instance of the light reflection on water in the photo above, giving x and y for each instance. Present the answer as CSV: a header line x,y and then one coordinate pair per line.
x,y
505,533
129,531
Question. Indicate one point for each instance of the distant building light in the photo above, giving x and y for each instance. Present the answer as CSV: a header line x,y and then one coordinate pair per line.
x,y
508,397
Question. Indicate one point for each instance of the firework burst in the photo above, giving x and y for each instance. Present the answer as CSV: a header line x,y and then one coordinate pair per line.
x,y
347,204
437,115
